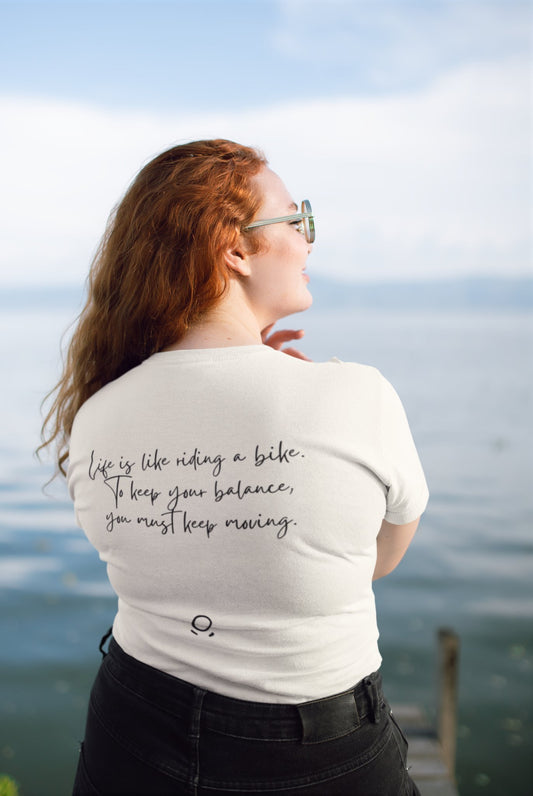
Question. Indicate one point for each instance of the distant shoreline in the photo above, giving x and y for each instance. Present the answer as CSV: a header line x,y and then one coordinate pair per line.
x,y
473,293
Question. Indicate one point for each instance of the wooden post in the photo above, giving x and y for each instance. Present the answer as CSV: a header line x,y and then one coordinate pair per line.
x,y
447,717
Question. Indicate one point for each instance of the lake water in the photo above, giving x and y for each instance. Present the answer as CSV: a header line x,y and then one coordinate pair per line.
x,y
466,381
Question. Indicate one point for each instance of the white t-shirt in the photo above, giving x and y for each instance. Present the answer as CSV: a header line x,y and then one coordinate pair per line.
x,y
235,495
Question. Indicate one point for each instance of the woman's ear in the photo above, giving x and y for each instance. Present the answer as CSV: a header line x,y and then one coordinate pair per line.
x,y
236,260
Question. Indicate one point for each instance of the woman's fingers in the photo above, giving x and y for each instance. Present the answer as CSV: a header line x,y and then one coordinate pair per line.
x,y
279,338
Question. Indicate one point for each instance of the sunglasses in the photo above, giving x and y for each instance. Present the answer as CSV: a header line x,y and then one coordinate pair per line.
x,y
306,219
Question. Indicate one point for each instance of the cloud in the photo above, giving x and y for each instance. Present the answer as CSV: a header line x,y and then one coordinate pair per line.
x,y
429,183
384,45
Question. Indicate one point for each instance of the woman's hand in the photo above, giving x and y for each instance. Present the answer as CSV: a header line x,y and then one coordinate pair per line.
x,y
277,339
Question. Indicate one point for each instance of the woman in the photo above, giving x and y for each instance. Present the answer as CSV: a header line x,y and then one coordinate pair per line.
x,y
242,499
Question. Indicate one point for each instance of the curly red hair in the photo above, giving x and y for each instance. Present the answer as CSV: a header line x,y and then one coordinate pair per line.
x,y
159,268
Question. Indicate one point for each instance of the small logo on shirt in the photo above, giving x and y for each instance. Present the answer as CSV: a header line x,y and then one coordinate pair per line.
x,y
201,624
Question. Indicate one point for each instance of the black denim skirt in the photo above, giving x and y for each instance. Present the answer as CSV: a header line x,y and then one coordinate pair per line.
x,y
150,734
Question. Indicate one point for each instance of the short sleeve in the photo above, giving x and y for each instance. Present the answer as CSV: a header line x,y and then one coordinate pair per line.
x,y
407,491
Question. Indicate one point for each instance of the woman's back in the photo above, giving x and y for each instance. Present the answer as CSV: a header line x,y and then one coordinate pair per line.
x,y
236,495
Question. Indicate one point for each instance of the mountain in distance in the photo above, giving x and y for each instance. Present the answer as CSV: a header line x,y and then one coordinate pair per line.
x,y
473,293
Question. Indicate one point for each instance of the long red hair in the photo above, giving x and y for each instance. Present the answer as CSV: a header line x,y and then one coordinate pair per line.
x,y
159,268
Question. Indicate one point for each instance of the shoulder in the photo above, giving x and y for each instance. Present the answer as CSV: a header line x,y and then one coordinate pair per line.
x,y
334,372
354,373
347,386
334,367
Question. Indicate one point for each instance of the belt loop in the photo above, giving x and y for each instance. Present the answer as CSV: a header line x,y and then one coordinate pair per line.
x,y
373,694
377,701
194,737
103,641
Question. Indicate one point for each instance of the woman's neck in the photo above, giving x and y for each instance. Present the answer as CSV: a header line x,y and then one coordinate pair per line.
x,y
214,336
231,323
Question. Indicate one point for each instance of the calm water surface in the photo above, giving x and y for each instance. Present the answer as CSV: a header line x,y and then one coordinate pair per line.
x,y
466,381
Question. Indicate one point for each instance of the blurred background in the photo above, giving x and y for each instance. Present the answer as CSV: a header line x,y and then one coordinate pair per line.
x,y
408,126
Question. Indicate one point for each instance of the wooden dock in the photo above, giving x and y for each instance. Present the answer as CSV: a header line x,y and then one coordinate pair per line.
x,y
431,756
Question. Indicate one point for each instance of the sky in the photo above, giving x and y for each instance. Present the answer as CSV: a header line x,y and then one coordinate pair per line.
x,y
407,124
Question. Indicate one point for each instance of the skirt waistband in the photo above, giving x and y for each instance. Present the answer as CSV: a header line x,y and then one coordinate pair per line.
x,y
310,722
